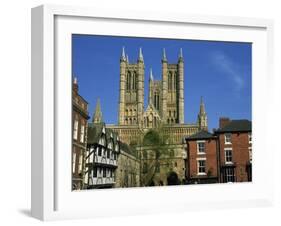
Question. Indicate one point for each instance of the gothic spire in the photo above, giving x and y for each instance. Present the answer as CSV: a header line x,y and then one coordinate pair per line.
x,y
140,55
151,75
180,54
75,81
202,107
127,58
164,58
97,117
75,84
123,56
202,117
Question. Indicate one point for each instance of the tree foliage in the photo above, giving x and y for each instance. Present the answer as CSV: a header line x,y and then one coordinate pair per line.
x,y
156,142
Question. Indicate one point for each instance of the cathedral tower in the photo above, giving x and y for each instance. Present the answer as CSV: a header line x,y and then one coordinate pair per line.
x,y
131,90
155,92
173,90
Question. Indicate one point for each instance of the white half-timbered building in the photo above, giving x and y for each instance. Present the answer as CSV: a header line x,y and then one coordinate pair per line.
x,y
103,148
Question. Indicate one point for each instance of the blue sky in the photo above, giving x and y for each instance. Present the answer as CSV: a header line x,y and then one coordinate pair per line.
x,y
221,72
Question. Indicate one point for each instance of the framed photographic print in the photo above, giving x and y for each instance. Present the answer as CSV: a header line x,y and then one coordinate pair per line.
x,y
137,112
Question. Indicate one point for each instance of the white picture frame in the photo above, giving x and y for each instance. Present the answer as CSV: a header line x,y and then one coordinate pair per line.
x,y
52,197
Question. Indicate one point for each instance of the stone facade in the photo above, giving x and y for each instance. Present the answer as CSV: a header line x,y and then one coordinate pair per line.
x,y
155,171
166,96
128,170
165,110
79,142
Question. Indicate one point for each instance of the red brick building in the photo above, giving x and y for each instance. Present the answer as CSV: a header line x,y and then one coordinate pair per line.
x,y
235,150
224,156
79,142
202,158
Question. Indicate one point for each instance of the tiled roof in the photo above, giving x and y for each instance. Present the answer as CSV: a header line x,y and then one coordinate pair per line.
x,y
242,125
200,135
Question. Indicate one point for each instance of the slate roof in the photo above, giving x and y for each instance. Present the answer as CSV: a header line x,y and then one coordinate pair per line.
x,y
242,125
95,130
200,135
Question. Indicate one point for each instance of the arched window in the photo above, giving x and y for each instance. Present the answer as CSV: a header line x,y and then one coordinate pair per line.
x,y
155,121
134,80
126,78
129,82
170,81
175,81
158,105
155,104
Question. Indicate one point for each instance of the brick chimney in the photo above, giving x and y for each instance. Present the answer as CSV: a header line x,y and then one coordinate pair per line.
x,y
223,122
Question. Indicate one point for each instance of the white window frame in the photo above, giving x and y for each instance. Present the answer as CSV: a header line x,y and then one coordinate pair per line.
x,y
250,137
250,154
75,129
198,149
225,138
73,162
228,175
225,158
80,163
198,166
82,133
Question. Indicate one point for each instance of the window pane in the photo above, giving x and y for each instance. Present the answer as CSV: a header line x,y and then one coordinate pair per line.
x,y
75,130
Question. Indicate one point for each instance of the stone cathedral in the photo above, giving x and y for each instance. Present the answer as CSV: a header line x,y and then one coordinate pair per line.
x,y
165,109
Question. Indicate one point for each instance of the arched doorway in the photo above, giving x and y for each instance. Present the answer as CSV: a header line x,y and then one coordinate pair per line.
x,y
172,178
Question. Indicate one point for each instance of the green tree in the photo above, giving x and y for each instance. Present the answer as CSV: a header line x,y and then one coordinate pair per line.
x,y
154,148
